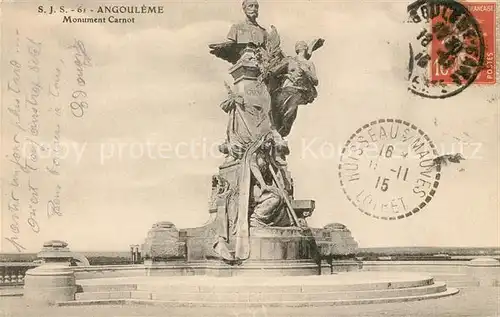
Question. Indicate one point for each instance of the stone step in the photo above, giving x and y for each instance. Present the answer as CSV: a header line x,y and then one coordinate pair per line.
x,y
293,303
114,294
302,296
342,288
106,287
310,284
277,288
249,296
357,281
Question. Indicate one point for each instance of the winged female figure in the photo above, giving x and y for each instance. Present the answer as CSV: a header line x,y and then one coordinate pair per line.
x,y
291,82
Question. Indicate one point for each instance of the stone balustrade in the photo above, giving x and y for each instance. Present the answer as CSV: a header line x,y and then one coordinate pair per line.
x,y
13,273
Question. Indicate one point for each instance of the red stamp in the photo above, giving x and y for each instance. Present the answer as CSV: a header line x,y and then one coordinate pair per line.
x,y
443,70
448,49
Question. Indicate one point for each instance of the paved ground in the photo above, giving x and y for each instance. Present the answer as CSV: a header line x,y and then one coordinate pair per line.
x,y
470,302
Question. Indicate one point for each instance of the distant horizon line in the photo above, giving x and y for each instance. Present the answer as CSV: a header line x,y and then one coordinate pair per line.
x,y
360,248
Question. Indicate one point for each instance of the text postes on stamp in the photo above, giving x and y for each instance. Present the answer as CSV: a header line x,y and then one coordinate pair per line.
x,y
484,14
447,38
387,169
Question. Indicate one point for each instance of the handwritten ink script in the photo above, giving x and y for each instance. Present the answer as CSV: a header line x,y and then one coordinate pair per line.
x,y
43,93
82,61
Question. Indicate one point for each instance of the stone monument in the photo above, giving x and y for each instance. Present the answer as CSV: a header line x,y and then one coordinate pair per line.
x,y
53,280
256,223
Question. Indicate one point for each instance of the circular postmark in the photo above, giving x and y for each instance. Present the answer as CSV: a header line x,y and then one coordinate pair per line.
x,y
387,169
447,50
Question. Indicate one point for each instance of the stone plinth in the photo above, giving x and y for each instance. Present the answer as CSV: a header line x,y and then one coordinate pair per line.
x,y
485,271
335,240
163,243
288,243
263,268
274,251
54,280
246,67
50,283
337,248
270,243
223,269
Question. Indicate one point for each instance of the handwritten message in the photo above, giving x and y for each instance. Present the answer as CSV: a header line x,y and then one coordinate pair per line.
x,y
44,91
81,60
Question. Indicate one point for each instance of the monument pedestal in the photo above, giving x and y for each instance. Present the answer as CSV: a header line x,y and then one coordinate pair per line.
x,y
252,194
54,280
274,251
263,268
163,242
50,283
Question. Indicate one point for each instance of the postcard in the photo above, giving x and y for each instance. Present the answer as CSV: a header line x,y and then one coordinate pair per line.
x,y
195,130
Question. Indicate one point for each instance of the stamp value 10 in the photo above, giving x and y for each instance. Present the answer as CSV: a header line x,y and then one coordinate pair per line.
x,y
453,46
484,14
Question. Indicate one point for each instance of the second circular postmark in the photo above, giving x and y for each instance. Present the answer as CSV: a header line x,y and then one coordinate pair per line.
x,y
387,169
447,50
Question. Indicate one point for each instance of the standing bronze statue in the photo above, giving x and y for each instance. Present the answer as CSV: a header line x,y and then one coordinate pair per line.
x,y
256,224
268,88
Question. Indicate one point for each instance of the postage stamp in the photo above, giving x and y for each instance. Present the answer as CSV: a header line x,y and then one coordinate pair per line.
x,y
387,169
484,14
448,51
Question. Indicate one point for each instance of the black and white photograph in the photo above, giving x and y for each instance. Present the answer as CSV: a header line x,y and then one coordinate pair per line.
x,y
251,158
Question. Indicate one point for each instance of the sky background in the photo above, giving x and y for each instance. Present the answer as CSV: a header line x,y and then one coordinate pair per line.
x,y
154,82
